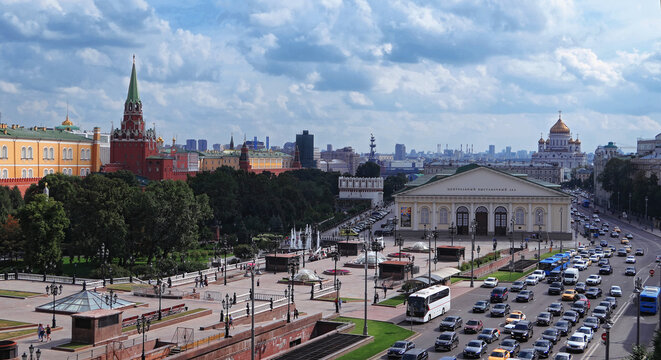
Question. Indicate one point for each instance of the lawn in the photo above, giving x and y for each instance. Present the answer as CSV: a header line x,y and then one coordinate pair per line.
x,y
126,287
394,301
17,293
455,280
385,334
505,275
549,254
17,333
167,318
73,346
9,323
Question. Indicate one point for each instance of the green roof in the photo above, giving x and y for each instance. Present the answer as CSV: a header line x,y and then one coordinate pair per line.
x,y
133,86
39,134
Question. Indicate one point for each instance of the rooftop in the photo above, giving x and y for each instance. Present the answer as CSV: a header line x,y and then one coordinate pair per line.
x,y
39,133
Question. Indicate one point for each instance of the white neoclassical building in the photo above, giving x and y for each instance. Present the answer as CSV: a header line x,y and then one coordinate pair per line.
x,y
361,188
559,148
496,201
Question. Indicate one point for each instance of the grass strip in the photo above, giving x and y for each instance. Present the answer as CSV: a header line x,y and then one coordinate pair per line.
x,y
126,287
505,275
9,323
15,293
73,345
12,334
385,334
394,301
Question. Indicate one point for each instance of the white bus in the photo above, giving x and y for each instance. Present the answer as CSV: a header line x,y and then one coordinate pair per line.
x,y
428,303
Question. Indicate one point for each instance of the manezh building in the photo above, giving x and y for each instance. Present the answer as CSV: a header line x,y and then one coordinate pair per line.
x,y
559,148
484,200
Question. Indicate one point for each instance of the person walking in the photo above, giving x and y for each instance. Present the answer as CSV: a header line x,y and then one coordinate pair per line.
x,y
48,331
385,290
231,322
295,313
40,330
196,281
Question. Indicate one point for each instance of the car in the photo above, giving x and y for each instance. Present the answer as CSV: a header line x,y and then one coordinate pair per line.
x,y
543,347
603,262
576,259
523,330
499,354
510,345
399,348
658,258
489,335
562,356
593,280
416,354
615,291
515,316
611,300
581,297
621,252
629,236
594,258
630,271
605,270
554,276
451,323
481,306
500,310
544,318
627,248
532,280
525,296
556,288
581,307
593,292
616,229
571,316
552,335
556,309
600,312
608,253
624,241
473,326
603,243
447,340
577,342
580,287
587,331
499,294
614,234
475,349
490,282
592,322
581,265
569,295
541,274
640,252
563,326
630,260
508,328
528,354
518,286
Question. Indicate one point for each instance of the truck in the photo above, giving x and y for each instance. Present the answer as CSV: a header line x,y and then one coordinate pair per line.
x,y
570,276
586,203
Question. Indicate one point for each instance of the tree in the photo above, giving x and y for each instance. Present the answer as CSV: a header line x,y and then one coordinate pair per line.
x,y
639,352
43,222
392,184
655,354
368,169
10,236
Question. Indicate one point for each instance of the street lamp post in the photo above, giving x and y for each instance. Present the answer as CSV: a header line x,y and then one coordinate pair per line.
x,y
111,299
227,305
336,257
452,231
54,290
365,248
561,230
435,247
142,326
428,255
293,269
645,210
607,326
225,248
638,291
539,245
159,288
511,247
473,228
399,241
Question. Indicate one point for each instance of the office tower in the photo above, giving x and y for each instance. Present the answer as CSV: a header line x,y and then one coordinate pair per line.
x,y
329,147
217,147
191,144
202,145
267,143
305,144
400,151
492,150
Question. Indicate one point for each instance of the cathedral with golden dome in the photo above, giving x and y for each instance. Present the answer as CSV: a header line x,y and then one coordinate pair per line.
x,y
559,148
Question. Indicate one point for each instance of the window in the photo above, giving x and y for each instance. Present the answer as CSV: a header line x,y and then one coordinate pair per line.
x,y
45,155
51,154
45,172
519,216
4,154
539,217
70,154
51,171
424,215
64,154
443,216
30,152
82,154
23,152
24,173
30,173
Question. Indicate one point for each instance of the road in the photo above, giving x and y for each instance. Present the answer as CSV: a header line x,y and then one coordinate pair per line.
x,y
623,333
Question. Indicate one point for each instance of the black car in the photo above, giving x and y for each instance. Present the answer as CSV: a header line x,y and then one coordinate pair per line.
x,y
489,335
528,354
556,309
605,270
399,348
571,316
500,310
499,294
603,262
447,341
416,354
552,335
581,307
518,286
593,292
523,330
556,288
475,349
525,296
580,287
592,322
611,300
563,326
630,271
543,347
544,318
511,345
481,306
621,252
451,323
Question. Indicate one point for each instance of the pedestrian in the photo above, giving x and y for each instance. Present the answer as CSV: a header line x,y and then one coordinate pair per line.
x,y
247,309
231,322
257,282
206,281
196,281
40,330
385,290
48,330
295,313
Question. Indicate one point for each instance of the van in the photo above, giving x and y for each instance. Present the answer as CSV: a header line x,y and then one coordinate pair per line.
x,y
570,277
499,294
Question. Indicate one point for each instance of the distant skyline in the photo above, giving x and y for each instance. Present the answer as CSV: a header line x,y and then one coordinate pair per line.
x,y
420,74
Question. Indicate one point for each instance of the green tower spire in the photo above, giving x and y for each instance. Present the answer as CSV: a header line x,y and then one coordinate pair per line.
x,y
133,86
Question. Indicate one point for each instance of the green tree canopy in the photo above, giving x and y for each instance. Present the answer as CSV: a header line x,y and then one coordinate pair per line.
x,y
43,222
368,169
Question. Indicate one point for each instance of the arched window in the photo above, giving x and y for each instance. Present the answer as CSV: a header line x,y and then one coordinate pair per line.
x,y
4,154
29,173
82,154
24,173
45,172
519,216
5,174
539,217
70,154
23,152
45,154
64,154
443,216
51,154
424,215
51,171
30,152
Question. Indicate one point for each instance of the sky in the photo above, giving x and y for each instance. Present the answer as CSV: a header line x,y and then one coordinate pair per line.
x,y
420,73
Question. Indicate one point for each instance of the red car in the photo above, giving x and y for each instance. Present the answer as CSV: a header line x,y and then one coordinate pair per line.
x,y
473,326
581,297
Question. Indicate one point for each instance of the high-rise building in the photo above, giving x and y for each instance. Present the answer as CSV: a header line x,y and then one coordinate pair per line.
x,y
492,150
191,144
267,143
400,151
217,147
305,144
329,147
202,145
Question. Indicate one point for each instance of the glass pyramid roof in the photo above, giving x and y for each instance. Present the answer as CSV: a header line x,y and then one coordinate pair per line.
x,y
83,301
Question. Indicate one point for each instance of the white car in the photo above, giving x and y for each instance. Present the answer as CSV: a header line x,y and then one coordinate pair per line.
x,y
509,327
594,258
490,282
577,259
532,280
631,259
577,342
593,280
541,274
615,290
587,331
581,265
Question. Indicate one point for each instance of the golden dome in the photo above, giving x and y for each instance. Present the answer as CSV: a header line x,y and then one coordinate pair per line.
x,y
67,122
559,128
548,141
571,141
541,141
160,139
577,142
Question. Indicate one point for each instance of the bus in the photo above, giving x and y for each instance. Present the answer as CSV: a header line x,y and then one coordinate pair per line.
x,y
586,203
424,305
558,263
649,300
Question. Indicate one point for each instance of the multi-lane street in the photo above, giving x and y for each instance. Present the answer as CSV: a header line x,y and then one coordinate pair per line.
x,y
623,333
